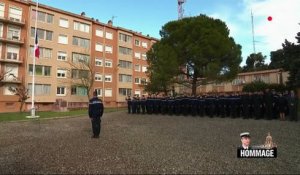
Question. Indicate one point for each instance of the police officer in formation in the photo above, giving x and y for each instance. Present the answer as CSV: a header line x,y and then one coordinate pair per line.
x,y
257,105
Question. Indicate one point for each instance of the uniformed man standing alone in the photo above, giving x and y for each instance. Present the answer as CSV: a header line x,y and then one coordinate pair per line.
x,y
95,113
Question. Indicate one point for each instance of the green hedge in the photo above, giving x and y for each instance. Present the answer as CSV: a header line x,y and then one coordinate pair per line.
x,y
261,86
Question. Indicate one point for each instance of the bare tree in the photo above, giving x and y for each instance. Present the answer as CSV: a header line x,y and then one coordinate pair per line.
x,y
81,73
3,74
22,92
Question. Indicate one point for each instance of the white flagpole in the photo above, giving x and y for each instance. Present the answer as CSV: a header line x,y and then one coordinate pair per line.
x,y
33,67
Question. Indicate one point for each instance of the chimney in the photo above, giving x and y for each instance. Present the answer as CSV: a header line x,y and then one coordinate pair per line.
x,y
110,23
82,14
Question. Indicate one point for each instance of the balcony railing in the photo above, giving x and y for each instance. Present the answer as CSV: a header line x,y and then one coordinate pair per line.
x,y
11,58
15,19
11,78
12,37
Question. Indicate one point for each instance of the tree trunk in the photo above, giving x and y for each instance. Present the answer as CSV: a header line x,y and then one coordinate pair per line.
x,y
21,107
194,86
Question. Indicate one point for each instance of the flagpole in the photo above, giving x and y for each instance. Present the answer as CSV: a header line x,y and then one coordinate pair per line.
x,y
33,66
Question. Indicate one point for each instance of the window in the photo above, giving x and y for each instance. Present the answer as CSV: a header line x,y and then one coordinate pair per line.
x,y
13,33
61,73
2,7
82,42
143,81
45,53
108,78
1,28
109,35
40,89
79,91
125,50
108,49
108,92
42,16
99,32
81,27
80,58
40,70
99,47
62,56
125,38
15,14
125,78
63,39
98,77
12,70
77,74
6,88
144,45
108,63
49,35
49,18
125,64
61,91
137,68
137,81
137,42
99,92
137,92
144,56
144,69
98,62
42,34
137,55
12,52
63,23
125,91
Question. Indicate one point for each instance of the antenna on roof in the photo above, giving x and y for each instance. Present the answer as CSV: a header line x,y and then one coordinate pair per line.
x,y
180,8
113,17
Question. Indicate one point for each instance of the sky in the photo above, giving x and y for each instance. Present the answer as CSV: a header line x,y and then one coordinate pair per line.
x,y
148,16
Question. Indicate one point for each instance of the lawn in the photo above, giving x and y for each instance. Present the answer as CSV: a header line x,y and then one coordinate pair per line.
x,y
17,116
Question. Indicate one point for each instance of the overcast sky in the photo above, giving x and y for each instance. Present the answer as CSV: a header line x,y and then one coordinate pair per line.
x,y
148,16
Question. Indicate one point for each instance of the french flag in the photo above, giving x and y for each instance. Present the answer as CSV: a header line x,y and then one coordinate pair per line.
x,y
36,47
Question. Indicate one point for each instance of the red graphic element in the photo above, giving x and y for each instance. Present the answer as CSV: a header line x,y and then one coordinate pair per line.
x,y
270,18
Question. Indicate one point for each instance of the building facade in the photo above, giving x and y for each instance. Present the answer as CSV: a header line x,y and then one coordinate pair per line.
x,y
13,50
274,76
74,50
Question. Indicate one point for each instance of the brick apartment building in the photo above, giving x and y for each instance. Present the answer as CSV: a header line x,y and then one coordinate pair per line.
x,y
116,55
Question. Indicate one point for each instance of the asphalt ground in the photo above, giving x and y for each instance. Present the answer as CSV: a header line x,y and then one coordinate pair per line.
x,y
145,144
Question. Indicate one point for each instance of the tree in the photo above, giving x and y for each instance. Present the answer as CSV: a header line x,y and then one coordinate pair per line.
x,y
161,68
288,58
277,59
82,74
3,74
200,51
22,92
255,62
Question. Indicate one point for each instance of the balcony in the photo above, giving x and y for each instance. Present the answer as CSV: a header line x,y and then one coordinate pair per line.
x,y
10,18
11,38
11,78
11,58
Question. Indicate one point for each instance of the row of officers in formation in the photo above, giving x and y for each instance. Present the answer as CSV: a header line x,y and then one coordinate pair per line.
x,y
258,105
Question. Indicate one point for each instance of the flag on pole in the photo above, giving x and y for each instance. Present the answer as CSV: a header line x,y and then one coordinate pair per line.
x,y
36,47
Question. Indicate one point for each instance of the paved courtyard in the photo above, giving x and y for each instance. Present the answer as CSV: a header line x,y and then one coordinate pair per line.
x,y
143,144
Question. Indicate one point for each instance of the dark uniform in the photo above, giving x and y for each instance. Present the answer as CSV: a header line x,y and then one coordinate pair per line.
x,y
143,104
134,106
129,104
293,104
268,102
95,113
